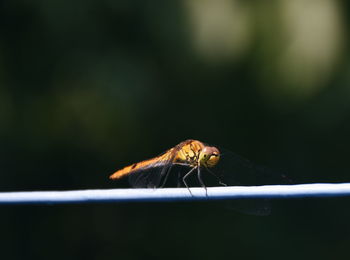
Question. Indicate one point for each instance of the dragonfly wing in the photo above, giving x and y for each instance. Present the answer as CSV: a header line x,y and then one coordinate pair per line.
x,y
152,175
257,207
234,170
149,178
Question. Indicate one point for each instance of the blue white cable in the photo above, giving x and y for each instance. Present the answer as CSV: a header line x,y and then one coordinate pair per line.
x,y
176,194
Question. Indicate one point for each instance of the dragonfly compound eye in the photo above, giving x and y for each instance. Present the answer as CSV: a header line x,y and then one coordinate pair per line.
x,y
209,156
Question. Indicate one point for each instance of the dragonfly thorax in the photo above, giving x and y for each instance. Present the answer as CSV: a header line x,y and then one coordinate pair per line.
x,y
195,153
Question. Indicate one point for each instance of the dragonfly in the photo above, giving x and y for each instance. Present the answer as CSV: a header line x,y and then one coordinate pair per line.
x,y
193,157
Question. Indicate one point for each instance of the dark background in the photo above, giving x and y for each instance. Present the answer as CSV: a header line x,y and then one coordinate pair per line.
x,y
87,87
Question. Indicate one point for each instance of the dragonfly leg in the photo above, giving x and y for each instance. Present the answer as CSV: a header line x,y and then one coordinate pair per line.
x,y
217,177
201,181
166,176
182,164
185,177
179,184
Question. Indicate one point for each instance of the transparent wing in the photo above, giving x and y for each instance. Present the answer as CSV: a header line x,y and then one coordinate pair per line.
x,y
234,170
153,175
146,178
257,207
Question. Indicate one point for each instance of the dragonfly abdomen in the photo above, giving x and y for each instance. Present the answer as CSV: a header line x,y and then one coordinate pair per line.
x,y
157,161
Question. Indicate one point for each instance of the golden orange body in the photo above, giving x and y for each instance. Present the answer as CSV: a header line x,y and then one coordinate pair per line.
x,y
192,153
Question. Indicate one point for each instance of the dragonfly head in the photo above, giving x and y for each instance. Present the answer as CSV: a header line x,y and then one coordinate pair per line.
x,y
209,156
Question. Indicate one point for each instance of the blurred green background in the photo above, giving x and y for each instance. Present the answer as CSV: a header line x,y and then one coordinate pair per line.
x,y
87,87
